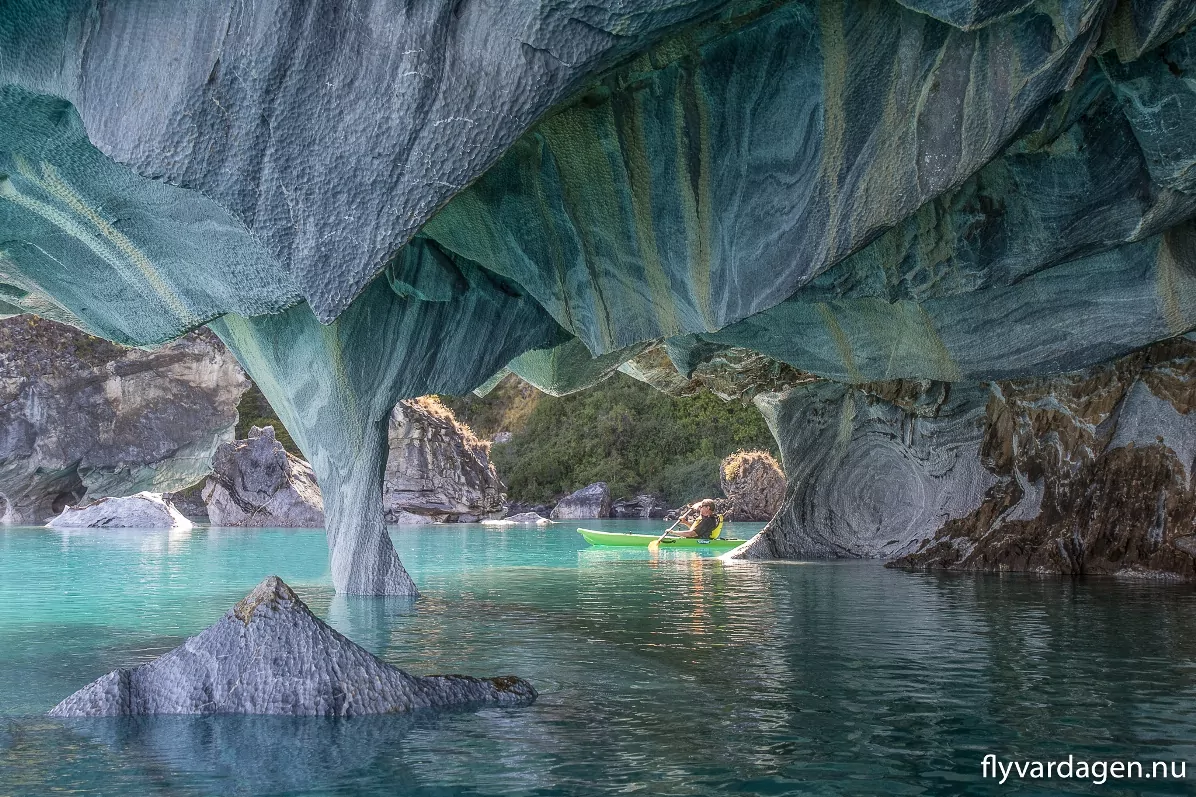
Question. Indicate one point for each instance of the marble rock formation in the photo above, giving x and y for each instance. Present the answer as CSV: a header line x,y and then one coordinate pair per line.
x,y
256,482
370,202
81,418
754,483
1091,474
591,501
1084,472
271,655
871,469
437,471
144,510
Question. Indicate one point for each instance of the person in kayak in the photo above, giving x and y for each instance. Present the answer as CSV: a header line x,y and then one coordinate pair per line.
x,y
705,524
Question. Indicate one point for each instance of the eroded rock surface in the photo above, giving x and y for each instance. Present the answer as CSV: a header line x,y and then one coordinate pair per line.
x,y
591,501
271,655
872,470
81,418
257,482
1082,473
437,470
1092,473
924,191
144,510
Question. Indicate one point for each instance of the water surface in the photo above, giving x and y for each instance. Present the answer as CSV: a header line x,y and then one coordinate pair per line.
x,y
668,674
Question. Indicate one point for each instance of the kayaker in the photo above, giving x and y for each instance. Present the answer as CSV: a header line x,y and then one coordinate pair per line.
x,y
704,524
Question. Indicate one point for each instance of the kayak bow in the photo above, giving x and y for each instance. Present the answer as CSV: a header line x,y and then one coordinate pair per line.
x,y
643,540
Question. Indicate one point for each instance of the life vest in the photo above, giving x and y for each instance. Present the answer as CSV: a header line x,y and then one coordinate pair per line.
x,y
714,532
717,529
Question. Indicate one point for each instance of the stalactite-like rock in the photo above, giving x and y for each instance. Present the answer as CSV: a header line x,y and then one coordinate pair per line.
x,y
334,387
376,202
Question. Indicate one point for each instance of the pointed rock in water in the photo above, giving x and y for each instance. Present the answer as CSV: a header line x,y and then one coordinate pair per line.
x,y
140,511
271,655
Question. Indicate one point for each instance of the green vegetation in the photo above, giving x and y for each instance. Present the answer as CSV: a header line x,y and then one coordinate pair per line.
x,y
506,408
622,432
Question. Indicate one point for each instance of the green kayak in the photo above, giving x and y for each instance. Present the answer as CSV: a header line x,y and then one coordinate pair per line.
x,y
642,540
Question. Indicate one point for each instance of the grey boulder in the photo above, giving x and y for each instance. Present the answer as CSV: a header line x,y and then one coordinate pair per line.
x,y
141,511
256,482
591,501
271,655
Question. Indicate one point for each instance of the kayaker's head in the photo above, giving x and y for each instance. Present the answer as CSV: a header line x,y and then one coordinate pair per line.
x,y
706,508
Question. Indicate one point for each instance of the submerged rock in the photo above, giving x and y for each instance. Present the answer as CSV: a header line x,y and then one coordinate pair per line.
x,y
257,482
591,501
82,418
144,510
271,655
437,468
754,483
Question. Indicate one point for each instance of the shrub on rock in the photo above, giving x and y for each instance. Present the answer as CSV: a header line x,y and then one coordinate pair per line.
x,y
754,483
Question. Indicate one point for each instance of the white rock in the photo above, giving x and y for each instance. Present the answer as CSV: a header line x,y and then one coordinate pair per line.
x,y
141,511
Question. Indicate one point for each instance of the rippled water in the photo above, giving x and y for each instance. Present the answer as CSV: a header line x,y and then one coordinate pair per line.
x,y
673,674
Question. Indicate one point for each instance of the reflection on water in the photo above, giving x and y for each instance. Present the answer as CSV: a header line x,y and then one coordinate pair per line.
x,y
669,673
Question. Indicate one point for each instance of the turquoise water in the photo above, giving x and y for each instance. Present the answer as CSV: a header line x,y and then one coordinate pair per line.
x,y
671,674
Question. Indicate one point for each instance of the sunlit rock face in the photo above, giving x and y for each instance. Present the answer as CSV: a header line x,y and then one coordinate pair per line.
x,y
271,655
754,483
437,470
82,419
378,202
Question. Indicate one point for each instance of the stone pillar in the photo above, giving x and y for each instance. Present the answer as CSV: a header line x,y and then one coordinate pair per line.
x,y
363,558
334,387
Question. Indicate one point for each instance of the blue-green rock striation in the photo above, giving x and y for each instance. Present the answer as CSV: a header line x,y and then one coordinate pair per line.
x,y
371,200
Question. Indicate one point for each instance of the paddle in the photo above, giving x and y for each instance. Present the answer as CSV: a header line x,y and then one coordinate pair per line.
x,y
655,544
